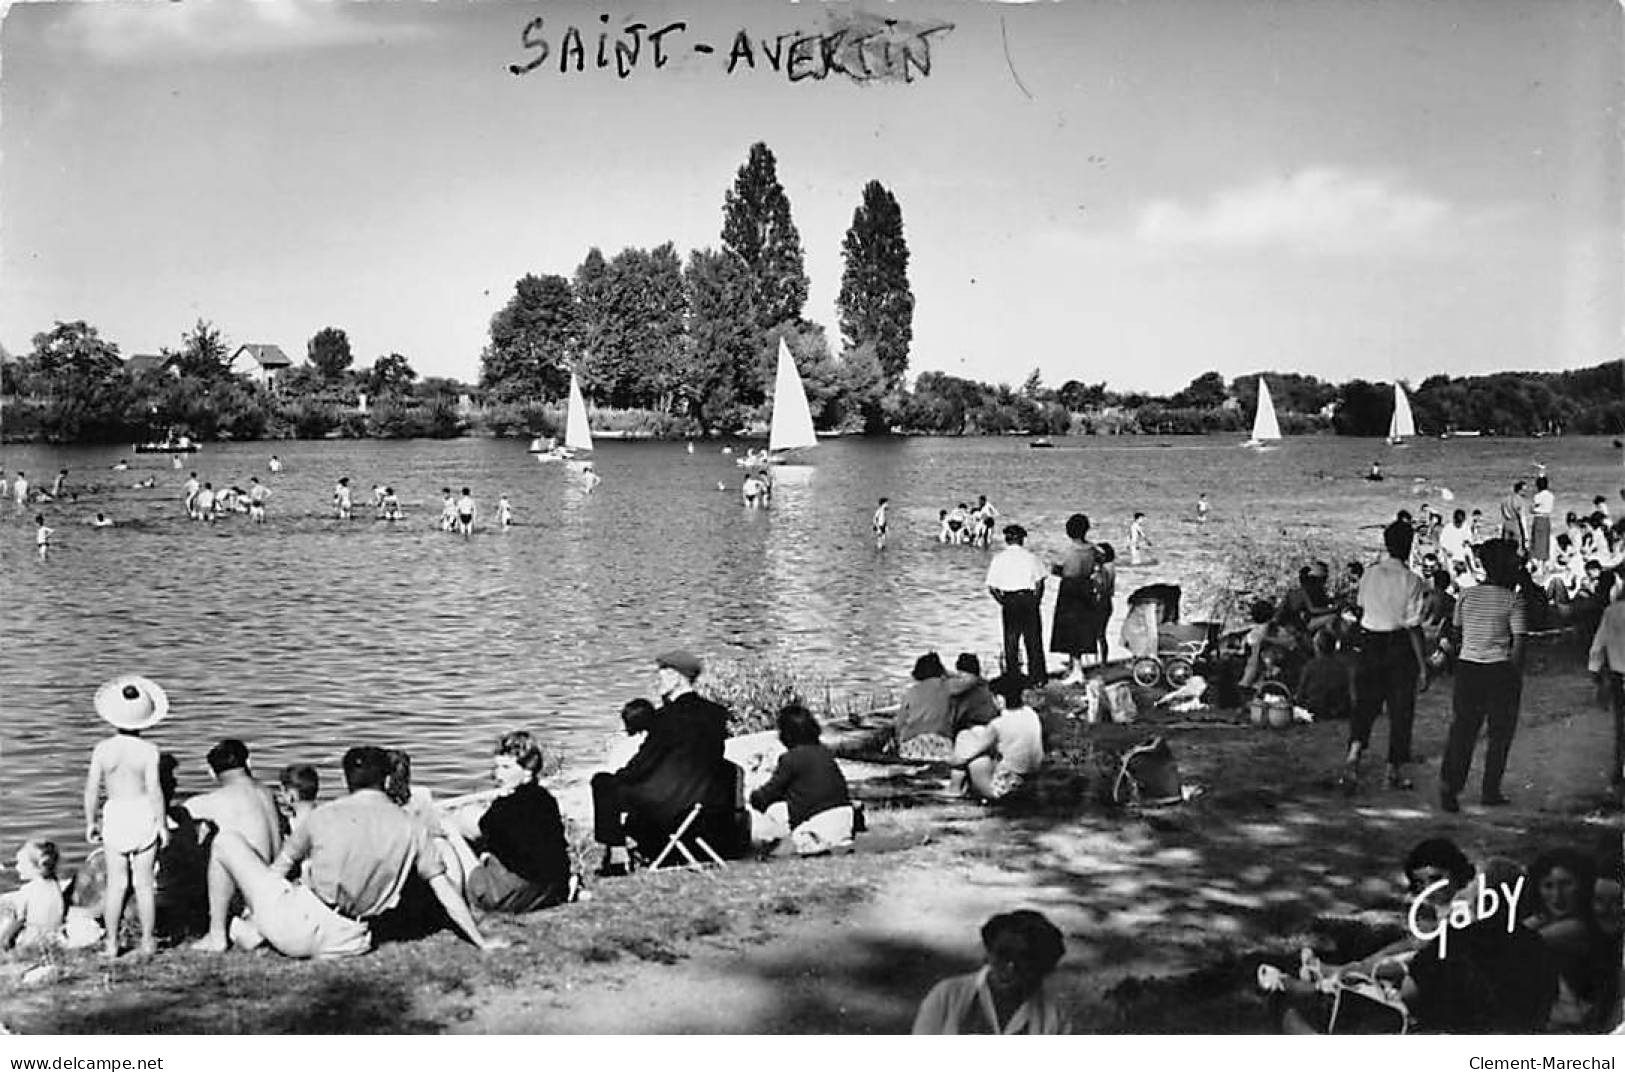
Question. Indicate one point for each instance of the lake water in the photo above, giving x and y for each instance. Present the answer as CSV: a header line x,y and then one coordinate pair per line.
x,y
308,634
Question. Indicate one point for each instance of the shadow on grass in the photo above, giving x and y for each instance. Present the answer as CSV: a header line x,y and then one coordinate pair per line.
x,y
326,1000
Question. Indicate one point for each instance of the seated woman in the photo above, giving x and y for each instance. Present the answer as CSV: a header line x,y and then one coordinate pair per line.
x,y
1007,995
970,701
1326,685
518,860
1268,645
806,798
1587,962
999,757
1436,873
923,724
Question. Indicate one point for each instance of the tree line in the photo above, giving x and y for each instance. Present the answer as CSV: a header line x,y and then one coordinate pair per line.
x,y
671,345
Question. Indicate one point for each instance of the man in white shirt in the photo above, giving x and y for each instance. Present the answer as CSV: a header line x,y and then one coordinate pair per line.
x,y
1392,669
1015,579
1456,540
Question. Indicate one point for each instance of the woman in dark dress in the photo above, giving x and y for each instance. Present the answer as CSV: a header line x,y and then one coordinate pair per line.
x,y
1073,630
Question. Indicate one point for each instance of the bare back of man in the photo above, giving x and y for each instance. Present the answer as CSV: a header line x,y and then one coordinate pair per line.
x,y
245,807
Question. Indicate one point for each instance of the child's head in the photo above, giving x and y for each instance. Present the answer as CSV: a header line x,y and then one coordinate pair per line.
x,y
300,781
884,500
37,859
1262,611
230,754
797,726
637,716
39,519
1010,689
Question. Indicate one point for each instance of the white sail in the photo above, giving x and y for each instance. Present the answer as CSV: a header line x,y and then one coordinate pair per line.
x,y
1265,426
1402,423
577,436
792,427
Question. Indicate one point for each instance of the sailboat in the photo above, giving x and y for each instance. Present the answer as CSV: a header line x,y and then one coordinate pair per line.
x,y
1401,424
1266,428
577,434
791,430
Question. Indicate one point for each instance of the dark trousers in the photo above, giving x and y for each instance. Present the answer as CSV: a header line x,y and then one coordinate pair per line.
x,y
1486,696
1019,613
1385,677
614,816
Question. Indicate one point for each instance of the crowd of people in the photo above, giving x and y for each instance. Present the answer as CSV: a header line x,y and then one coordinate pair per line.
x,y
250,864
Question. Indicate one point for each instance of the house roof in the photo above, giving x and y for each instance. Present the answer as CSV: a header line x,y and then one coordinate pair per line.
x,y
267,355
136,364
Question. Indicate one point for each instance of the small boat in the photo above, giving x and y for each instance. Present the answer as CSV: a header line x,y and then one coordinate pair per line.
x,y
577,433
791,430
1266,429
1402,423
171,445
1041,444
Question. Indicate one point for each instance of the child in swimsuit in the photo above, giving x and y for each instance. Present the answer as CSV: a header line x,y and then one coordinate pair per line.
x,y
504,512
130,825
448,510
389,507
341,498
43,536
465,513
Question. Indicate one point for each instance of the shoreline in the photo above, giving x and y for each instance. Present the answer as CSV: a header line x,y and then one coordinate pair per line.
x,y
850,943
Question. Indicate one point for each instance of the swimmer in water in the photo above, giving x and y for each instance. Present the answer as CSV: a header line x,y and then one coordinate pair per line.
x,y
257,494
389,505
275,464
100,521
590,475
120,466
42,537
1201,509
341,499
878,523
467,511
448,510
504,511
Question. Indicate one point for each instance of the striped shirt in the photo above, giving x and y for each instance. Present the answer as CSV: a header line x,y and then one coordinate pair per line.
x,y
1487,619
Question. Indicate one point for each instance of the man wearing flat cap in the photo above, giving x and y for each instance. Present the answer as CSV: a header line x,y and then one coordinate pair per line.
x,y
680,764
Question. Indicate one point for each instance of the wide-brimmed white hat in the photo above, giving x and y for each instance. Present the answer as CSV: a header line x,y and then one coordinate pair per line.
x,y
132,702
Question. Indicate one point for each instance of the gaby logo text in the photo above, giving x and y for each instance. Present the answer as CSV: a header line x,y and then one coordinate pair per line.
x,y
1486,904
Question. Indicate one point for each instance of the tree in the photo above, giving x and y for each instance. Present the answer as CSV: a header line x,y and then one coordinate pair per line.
x,y
1033,386
1207,391
876,305
636,302
329,353
721,339
1078,397
74,352
390,375
533,343
204,354
756,228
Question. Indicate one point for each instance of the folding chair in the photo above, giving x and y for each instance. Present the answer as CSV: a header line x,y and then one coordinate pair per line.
x,y
675,842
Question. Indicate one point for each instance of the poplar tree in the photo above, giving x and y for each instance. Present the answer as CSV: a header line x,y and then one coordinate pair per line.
x,y
876,305
757,229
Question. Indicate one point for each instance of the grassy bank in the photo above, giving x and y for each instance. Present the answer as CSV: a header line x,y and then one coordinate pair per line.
x,y
1166,913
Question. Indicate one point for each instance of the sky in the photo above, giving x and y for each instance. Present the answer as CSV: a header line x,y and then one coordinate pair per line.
x,y
1128,192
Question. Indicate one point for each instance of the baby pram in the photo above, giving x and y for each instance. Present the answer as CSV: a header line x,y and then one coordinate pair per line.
x,y
1162,647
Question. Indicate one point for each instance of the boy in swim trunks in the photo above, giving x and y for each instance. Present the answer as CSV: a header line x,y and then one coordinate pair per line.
x,y
130,826
466,512
341,499
43,536
257,494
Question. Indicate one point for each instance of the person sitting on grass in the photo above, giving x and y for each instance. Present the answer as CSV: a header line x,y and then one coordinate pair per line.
x,y
1267,645
806,799
1007,995
1489,979
31,916
297,790
923,723
970,701
358,853
998,758
523,862
1326,685
1587,961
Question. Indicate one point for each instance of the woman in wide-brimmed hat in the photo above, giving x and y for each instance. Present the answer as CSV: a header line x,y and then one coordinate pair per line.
x,y
131,821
